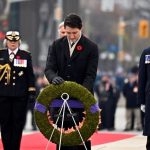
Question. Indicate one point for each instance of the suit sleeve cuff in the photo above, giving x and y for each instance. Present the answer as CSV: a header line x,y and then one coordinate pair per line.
x,y
31,89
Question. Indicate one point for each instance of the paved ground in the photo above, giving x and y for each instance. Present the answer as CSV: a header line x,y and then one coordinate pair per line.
x,y
135,143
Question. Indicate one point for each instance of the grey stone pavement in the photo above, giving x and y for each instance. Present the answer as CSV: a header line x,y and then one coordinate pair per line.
x,y
135,143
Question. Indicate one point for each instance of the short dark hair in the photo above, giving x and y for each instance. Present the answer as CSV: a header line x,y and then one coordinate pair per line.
x,y
73,21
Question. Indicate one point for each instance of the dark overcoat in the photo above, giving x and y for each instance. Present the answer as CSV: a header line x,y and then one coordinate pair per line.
x,y
81,67
144,87
130,95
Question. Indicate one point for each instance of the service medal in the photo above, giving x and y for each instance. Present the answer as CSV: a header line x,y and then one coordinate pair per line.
x,y
20,73
20,63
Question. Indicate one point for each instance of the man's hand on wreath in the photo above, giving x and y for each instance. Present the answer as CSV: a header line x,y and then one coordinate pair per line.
x,y
57,80
31,96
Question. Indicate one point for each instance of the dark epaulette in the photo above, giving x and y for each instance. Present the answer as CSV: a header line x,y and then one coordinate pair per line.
x,y
25,51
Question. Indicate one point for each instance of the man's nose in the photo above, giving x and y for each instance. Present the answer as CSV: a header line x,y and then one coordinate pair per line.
x,y
72,36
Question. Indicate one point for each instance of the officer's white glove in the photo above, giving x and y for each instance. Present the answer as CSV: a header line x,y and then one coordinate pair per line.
x,y
143,108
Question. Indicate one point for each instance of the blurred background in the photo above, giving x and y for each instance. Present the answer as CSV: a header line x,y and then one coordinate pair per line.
x,y
120,28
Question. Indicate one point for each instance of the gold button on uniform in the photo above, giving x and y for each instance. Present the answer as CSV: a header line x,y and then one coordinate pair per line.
x,y
14,84
5,83
14,72
14,78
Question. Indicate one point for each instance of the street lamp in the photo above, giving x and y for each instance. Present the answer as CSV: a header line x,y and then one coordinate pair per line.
x,y
121,32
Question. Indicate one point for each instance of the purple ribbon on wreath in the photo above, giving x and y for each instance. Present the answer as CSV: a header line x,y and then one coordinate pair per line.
x,y
58,103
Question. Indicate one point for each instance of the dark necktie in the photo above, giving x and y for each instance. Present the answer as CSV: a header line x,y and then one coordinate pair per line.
x,y
72,44
11,56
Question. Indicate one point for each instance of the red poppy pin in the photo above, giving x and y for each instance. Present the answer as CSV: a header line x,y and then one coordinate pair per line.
x,y
18,57
79,48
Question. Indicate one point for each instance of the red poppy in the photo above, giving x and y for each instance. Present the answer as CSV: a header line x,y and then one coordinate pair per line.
x,y
18,57
79,48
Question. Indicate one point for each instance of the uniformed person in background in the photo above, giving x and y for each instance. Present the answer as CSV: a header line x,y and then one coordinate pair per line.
x,y
17,85
144,92
73,58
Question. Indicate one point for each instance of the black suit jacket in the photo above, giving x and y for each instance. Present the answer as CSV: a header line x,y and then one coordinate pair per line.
x,y
22,78
81,67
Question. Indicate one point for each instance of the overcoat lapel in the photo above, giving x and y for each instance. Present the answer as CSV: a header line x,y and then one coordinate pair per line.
x,y
65,47
76,51
74,54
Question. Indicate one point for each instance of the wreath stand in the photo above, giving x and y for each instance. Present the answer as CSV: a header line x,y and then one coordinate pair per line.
x,y
65,97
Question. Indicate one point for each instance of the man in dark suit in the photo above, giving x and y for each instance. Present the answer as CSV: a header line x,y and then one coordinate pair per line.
x,y
17,84
144,91
73,58
133,112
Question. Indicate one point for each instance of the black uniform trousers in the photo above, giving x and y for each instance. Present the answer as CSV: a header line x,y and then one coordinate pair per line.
x,y
148,143
12,120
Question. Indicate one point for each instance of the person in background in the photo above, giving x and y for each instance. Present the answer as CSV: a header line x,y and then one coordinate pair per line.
x,y
41,83
61,30
144,92
130,91
17,85
73,58
61,33
106,100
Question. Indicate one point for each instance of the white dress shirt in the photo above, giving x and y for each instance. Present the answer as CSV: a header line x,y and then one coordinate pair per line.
x,y
74,45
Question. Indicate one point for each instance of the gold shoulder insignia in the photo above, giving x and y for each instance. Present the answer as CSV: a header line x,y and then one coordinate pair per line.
x,y
1,49
5,69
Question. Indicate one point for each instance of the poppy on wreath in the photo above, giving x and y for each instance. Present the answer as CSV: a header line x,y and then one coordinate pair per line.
x,y
79,48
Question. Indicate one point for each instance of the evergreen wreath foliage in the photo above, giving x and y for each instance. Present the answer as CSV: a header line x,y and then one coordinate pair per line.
x,y
77,91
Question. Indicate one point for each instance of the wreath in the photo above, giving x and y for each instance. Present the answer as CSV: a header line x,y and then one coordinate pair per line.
x,y
46,125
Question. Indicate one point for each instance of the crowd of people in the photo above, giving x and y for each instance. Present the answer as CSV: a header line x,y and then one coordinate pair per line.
x,y
109,91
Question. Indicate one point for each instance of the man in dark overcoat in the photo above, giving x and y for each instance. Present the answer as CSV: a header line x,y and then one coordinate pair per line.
x,y
144,91
73,58
130,90
17,84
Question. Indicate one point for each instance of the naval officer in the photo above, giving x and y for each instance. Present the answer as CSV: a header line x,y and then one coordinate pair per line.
x,y
17,84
